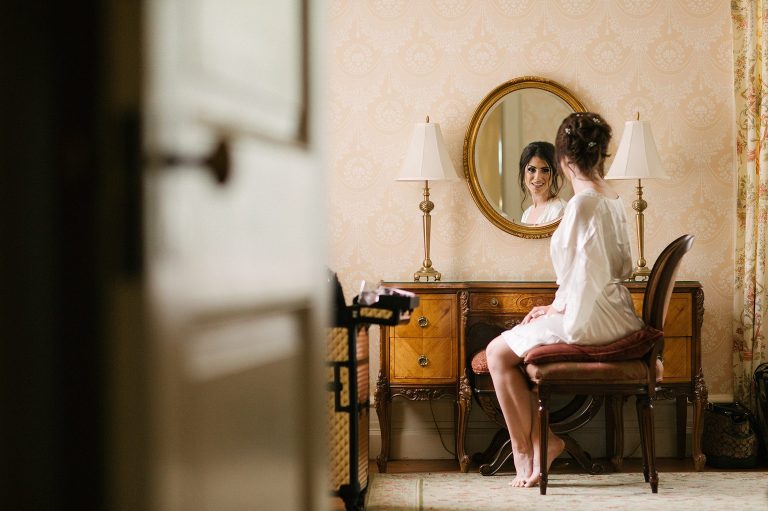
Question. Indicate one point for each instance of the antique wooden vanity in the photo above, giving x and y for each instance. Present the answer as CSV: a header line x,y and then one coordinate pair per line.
x,y
428,358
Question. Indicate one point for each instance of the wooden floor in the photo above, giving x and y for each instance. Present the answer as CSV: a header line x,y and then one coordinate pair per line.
x,y
561,466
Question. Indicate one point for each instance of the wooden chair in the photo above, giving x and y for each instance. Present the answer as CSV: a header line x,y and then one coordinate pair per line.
x,y
627,367
574,414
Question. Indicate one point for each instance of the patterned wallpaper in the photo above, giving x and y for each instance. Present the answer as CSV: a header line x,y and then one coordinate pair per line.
x,y
395,61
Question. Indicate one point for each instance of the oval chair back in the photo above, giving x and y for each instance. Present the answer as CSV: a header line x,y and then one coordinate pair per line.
x,y
661,282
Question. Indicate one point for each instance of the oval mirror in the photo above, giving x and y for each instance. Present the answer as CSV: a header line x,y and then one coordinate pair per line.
x,y
511,116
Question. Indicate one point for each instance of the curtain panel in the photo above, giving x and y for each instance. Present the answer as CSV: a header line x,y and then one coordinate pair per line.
x,y
750,54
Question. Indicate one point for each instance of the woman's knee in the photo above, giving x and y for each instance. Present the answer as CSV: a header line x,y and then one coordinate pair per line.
x,y
497,354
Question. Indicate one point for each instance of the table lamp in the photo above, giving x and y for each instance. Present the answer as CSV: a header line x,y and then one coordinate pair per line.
x,y
637,158
427,160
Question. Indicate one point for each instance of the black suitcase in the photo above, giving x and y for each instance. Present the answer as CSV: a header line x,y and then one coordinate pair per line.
x,y
347,401
347,405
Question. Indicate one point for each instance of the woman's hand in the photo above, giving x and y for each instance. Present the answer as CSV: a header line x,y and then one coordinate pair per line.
x,y
536,313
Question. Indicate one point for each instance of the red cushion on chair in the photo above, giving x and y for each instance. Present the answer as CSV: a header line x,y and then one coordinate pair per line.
x,y
633,346
480,363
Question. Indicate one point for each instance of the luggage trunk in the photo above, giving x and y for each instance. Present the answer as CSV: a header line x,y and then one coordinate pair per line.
x,y
348,405
347,399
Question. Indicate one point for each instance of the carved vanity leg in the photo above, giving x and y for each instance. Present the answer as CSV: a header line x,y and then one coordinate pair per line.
x,y
681,420
464,403
701,395
383,403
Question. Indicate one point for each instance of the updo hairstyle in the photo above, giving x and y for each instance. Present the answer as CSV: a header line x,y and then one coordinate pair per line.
x,y
583,139
545,151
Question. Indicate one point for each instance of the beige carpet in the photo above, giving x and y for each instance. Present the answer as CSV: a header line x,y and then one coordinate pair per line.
x,y
452,491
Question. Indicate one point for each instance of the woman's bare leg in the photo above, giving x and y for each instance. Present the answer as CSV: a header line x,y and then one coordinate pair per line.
x,y
555,445
515,399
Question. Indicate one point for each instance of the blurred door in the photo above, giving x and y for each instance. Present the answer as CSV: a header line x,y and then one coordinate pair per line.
x,y
234,254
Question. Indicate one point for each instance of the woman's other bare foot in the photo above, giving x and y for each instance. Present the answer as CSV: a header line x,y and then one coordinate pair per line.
x,y
555,447
523,468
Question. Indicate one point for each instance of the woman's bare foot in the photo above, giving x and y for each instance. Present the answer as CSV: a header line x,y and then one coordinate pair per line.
x,y
555,447
523,468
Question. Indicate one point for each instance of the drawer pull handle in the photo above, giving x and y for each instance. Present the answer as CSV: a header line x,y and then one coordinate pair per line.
x,y
494,301
423,322
423,360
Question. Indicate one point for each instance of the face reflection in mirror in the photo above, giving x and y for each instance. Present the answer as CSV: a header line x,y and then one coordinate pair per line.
x,y
519,120
540,182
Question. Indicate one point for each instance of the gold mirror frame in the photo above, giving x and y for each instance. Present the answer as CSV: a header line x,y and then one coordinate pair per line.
x,y
470,169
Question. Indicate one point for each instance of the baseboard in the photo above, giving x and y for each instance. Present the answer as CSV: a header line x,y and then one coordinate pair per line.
x,y
720,398
416,434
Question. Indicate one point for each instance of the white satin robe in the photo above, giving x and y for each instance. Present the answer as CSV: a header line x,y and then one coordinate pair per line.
x,y
591,255
553,210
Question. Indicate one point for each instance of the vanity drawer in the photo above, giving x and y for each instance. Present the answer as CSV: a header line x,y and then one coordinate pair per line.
x,y
434,317
677,359
678,321
508,303
422,360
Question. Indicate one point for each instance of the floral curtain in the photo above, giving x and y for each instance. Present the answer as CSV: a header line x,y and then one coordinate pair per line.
x,y
750,53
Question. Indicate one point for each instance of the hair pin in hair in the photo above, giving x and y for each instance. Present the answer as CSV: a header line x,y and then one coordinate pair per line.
x,y
567,131
597,121
591,144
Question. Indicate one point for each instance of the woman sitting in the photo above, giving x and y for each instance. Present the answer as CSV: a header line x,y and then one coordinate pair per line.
x,y
590,252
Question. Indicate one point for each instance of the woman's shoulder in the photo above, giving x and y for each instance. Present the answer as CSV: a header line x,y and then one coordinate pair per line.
x,y
584,200
586,207
590,198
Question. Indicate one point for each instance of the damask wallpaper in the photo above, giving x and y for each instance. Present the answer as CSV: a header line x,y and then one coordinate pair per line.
x,y
395,61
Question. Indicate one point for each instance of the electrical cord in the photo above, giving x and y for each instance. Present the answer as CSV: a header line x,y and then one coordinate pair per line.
x,y
434,420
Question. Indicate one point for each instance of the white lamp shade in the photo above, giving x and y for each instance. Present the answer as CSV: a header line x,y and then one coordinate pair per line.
x,y
427,159
637,156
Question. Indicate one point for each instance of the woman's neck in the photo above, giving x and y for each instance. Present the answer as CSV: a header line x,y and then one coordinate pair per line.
x,y
579,184
539,200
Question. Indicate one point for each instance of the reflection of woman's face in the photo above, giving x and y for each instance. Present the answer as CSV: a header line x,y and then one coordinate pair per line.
x,y
537,177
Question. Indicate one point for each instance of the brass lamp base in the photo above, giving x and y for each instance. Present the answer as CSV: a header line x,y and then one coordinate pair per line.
x,y
640,274
427,273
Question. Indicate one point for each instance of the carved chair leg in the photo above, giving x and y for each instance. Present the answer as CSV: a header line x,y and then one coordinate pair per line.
x,y
543,440
650,444
645,417
643,442
614,438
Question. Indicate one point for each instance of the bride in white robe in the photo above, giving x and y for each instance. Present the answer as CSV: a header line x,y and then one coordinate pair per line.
x,y
591,255
590,252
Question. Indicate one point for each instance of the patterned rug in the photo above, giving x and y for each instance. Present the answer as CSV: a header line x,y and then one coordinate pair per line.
x,y
453,491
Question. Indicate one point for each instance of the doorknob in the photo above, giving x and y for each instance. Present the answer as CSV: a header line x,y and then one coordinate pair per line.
x,y
218,161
